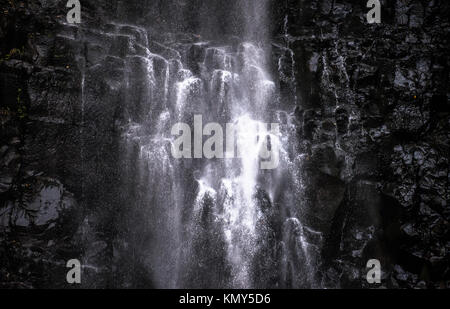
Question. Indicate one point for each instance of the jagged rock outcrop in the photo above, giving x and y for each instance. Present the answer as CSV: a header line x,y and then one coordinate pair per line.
x,y
374,105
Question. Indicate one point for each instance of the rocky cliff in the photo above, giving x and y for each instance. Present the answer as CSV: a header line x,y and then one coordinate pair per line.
x,y
372,115
374,106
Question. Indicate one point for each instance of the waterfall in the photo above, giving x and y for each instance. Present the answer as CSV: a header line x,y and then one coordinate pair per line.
x,y
225,144
220,222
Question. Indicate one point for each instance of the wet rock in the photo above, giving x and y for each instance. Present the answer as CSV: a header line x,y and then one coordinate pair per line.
x,y
388,149
372,104
325,160
44,205
341,115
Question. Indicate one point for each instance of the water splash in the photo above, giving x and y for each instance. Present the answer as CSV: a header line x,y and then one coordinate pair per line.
x,y
220,214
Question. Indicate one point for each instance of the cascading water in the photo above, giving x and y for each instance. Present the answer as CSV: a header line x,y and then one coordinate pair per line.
x,y
218,222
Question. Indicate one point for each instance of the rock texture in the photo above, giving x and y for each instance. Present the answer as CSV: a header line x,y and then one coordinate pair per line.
x,y
374,108
372,113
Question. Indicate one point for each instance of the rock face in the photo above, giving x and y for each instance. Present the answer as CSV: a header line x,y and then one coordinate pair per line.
x,y
370,104
374,104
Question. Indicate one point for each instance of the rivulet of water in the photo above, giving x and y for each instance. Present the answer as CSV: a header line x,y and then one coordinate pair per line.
x,y
223,223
